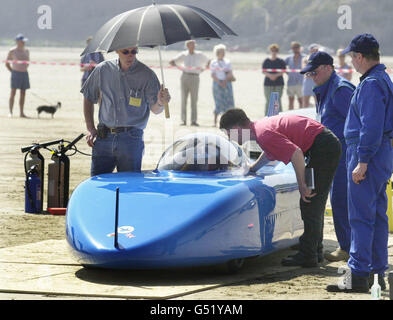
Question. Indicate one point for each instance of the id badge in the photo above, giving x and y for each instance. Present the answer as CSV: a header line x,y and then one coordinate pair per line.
x,y
135,102
135,99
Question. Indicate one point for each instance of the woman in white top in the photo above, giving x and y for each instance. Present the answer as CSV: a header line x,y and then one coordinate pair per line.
x,y
221,71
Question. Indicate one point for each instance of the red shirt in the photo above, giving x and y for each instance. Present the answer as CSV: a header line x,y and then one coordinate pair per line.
x,y
280,135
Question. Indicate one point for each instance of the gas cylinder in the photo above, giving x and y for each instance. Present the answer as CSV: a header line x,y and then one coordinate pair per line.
x,y
33,191
36,159
58,181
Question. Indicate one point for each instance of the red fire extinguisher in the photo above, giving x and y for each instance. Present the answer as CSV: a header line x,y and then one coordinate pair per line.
x,y
59,176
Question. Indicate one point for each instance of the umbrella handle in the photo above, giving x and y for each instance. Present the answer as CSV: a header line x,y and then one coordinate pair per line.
x,y
166,106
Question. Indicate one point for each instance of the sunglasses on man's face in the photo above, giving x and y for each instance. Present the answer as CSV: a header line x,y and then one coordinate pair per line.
x,y
127,52
314,73
311,73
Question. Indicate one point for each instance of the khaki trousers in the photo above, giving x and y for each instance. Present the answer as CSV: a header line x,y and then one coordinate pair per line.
x,y
189,85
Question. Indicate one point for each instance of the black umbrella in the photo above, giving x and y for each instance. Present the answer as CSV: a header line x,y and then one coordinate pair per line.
x,y
157,25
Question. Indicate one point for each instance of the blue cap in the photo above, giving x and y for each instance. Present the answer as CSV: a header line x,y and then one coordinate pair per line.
x,y
317,59
20,36
363,43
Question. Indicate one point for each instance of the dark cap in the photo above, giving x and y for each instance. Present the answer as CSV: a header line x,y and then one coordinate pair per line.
x,y
317,59
363,43
21,37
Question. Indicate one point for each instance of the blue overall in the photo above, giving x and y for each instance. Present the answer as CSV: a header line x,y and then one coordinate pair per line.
x,y
368,132
333,100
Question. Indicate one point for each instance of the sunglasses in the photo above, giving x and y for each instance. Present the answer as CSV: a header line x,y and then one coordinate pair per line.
x,y
311,73
127,52
315,72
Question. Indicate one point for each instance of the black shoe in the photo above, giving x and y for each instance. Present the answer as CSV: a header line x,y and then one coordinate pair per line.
x,y
299,260
350,284
295,247
194,124
320,258
381,281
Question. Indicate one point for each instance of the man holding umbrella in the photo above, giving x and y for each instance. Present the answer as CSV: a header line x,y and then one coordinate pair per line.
x,y
128,90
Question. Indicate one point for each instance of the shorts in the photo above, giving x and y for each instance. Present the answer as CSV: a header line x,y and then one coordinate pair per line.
x,y
295,90
20,80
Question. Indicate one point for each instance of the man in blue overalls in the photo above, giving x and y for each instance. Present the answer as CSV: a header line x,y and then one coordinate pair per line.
x,y
333,98
368,133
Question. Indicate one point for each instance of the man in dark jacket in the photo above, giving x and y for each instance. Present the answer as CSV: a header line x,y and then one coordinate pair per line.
x,y
333,95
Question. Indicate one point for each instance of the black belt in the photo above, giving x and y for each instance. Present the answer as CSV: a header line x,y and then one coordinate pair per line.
x,y
192,74
119,129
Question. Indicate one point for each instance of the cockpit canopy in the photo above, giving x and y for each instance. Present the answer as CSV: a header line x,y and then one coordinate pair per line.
x,y
203,152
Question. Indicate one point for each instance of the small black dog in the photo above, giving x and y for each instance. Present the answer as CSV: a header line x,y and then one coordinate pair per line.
x,y
48,109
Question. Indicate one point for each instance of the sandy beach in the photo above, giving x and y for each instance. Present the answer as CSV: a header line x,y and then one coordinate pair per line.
x,y
53,83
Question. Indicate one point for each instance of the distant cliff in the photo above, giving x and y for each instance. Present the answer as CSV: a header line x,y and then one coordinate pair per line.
x,y
257,22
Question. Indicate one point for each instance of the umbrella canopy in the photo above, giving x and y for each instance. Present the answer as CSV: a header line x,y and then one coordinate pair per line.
x,y
156,25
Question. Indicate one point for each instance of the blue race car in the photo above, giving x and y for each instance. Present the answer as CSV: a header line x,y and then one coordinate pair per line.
x,y
200,206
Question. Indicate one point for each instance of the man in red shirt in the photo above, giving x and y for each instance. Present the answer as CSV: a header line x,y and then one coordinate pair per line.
x,y
291,138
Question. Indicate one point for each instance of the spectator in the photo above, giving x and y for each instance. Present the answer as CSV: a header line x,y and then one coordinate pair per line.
x,y
129,91
308,82
221,71
342,66
274,81
194,62
19,75
89,61
295,79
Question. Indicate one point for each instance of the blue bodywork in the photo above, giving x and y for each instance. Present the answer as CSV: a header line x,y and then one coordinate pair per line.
x,y
170,218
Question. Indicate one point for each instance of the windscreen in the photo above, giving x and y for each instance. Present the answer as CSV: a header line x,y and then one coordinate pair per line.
x,y
202,152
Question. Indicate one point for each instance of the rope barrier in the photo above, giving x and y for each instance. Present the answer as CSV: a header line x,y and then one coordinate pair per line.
x,y
350,70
